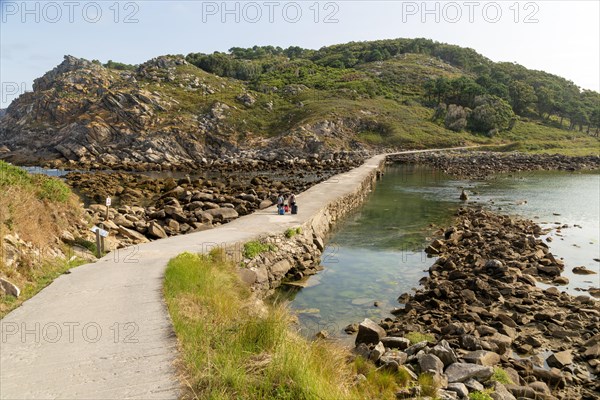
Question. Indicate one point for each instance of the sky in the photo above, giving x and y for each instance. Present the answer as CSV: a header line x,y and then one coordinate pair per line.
x,y
560,37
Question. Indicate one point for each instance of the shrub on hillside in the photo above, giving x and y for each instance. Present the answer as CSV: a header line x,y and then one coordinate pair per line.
x,y
490,113
456,118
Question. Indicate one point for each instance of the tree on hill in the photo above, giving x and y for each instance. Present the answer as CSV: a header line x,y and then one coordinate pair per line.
x,y
491,114
456,118
119,66
522,96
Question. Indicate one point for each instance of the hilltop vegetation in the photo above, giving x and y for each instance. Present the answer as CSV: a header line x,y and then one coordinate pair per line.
x,y
269,103
460,77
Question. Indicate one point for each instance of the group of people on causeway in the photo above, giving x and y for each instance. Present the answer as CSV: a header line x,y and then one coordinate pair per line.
x,y
291,205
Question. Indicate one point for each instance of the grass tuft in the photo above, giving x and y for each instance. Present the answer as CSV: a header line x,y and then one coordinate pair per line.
x,y
291,232
255,247
418,337
501,376
485,395
429,385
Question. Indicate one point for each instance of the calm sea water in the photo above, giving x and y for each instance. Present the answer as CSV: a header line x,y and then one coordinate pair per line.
x,y
375,254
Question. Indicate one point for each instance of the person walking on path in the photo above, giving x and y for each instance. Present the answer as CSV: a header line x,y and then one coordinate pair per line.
x,y
280,201
292,200
292,204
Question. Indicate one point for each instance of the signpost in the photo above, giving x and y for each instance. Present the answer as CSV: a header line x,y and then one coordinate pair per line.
x,y
108,203
101,232
100,235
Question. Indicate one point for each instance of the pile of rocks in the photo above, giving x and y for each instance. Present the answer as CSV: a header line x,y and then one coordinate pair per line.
x,y
481,164
290,260
154,208
481,305
127,159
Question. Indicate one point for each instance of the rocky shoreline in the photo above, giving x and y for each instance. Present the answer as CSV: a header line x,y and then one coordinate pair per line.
x,y
489,326
267,160
146,208
220,190
482,164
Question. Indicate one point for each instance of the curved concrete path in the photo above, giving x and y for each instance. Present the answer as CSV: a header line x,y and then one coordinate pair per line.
x,y
103,331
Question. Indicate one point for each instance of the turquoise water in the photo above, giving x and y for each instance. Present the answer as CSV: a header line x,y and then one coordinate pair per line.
x,y
375,254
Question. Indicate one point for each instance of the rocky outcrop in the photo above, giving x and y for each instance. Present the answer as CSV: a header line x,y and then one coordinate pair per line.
x,y
19,254
489,324
163,114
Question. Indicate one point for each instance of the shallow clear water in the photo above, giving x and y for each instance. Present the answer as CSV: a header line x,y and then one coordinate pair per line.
x,y
47,171
375,254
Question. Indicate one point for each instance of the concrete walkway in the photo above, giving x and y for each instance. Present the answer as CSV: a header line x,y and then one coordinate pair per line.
x,y
103,331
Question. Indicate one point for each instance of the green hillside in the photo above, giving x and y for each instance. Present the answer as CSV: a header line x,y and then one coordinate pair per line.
x,y
397,94
411,92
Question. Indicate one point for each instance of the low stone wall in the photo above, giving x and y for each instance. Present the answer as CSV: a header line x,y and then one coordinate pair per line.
x,y
296,257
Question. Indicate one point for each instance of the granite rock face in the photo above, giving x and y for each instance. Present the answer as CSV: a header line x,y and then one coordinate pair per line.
x,y
82,114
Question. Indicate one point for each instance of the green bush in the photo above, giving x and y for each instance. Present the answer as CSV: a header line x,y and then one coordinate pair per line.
x,y
120,66
490,113
290,233
254,248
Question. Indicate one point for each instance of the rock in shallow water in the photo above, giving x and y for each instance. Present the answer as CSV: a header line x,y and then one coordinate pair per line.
x,y
583,271
560,360
369,332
